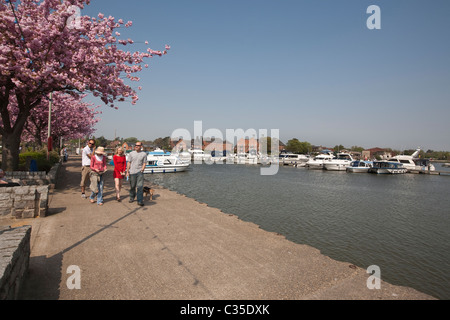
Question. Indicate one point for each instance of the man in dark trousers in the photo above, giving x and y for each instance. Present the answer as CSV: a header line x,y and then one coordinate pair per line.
x,y
137,161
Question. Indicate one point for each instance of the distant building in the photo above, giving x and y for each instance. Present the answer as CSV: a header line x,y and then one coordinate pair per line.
x,y
197,143
180,145
251,145
125,146
376,153
114,144
218,147
247,146
355,154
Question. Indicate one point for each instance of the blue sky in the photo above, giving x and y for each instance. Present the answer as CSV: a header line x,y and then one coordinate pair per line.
x,y
310,68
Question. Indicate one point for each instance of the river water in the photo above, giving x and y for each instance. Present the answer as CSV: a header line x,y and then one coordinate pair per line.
x,y
400,223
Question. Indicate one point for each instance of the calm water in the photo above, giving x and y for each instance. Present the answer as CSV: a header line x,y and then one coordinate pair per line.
x,y
399,222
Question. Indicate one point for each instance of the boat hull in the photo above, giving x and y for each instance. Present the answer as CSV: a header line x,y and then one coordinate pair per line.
x,y
245,160
293,162
314,166
422,169
335,167
165,169
318,162
357,170
300,165
388,170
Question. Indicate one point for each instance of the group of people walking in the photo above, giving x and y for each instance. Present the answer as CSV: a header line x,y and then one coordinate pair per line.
x,y
94,166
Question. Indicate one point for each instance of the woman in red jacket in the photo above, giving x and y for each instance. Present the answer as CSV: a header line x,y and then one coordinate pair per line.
x,y
120,167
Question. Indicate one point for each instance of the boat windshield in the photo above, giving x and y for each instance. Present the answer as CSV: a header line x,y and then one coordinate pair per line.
x,y
421,162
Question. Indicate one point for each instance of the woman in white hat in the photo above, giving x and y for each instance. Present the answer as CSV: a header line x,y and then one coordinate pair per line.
x,y
98,168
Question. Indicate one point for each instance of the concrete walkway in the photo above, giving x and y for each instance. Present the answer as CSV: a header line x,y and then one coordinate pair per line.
x,y
175,248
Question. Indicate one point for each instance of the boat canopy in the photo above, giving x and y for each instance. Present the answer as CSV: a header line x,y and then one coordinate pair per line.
x,y
387,164
159,153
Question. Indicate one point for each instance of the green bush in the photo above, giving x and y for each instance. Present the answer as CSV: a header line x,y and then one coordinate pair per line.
x,y
41,160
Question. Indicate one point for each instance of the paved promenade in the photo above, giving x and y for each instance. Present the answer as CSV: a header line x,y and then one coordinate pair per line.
x,y
175,248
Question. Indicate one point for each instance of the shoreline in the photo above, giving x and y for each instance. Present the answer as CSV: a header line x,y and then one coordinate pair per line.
x,y
177,248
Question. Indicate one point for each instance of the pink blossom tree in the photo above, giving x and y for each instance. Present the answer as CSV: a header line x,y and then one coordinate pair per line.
x,y
71,118
44,50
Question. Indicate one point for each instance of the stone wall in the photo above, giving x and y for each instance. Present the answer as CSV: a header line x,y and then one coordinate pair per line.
x,y
31,178
30,199
24,202
14,260
23,175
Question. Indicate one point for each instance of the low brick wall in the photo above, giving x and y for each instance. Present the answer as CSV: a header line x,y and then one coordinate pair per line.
x,y
14,260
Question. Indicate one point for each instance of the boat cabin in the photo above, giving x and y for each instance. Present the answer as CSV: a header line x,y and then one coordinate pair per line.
x,y
361,164
387,165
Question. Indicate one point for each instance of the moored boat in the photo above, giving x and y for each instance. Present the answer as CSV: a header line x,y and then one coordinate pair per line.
x,y
340,163
387,167
199,155
289,158
159,161
359,166
318,161
422,166
246,158
413,163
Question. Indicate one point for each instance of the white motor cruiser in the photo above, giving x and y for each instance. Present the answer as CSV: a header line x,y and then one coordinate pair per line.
x,y
288,158
413,163
159,161
318,161
340,163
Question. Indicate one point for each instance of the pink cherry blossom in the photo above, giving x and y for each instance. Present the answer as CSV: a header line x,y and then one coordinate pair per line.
x,y
71,118
42,52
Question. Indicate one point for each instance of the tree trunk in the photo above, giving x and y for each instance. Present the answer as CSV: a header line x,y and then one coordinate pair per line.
x,y
11,135
10,151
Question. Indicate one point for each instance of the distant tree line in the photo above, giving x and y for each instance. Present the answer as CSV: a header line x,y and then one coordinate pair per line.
x,y
293,145
437,155
296,146
163,143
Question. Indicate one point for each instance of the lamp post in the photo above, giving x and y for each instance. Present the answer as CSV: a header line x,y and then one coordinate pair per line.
x,y
49,137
